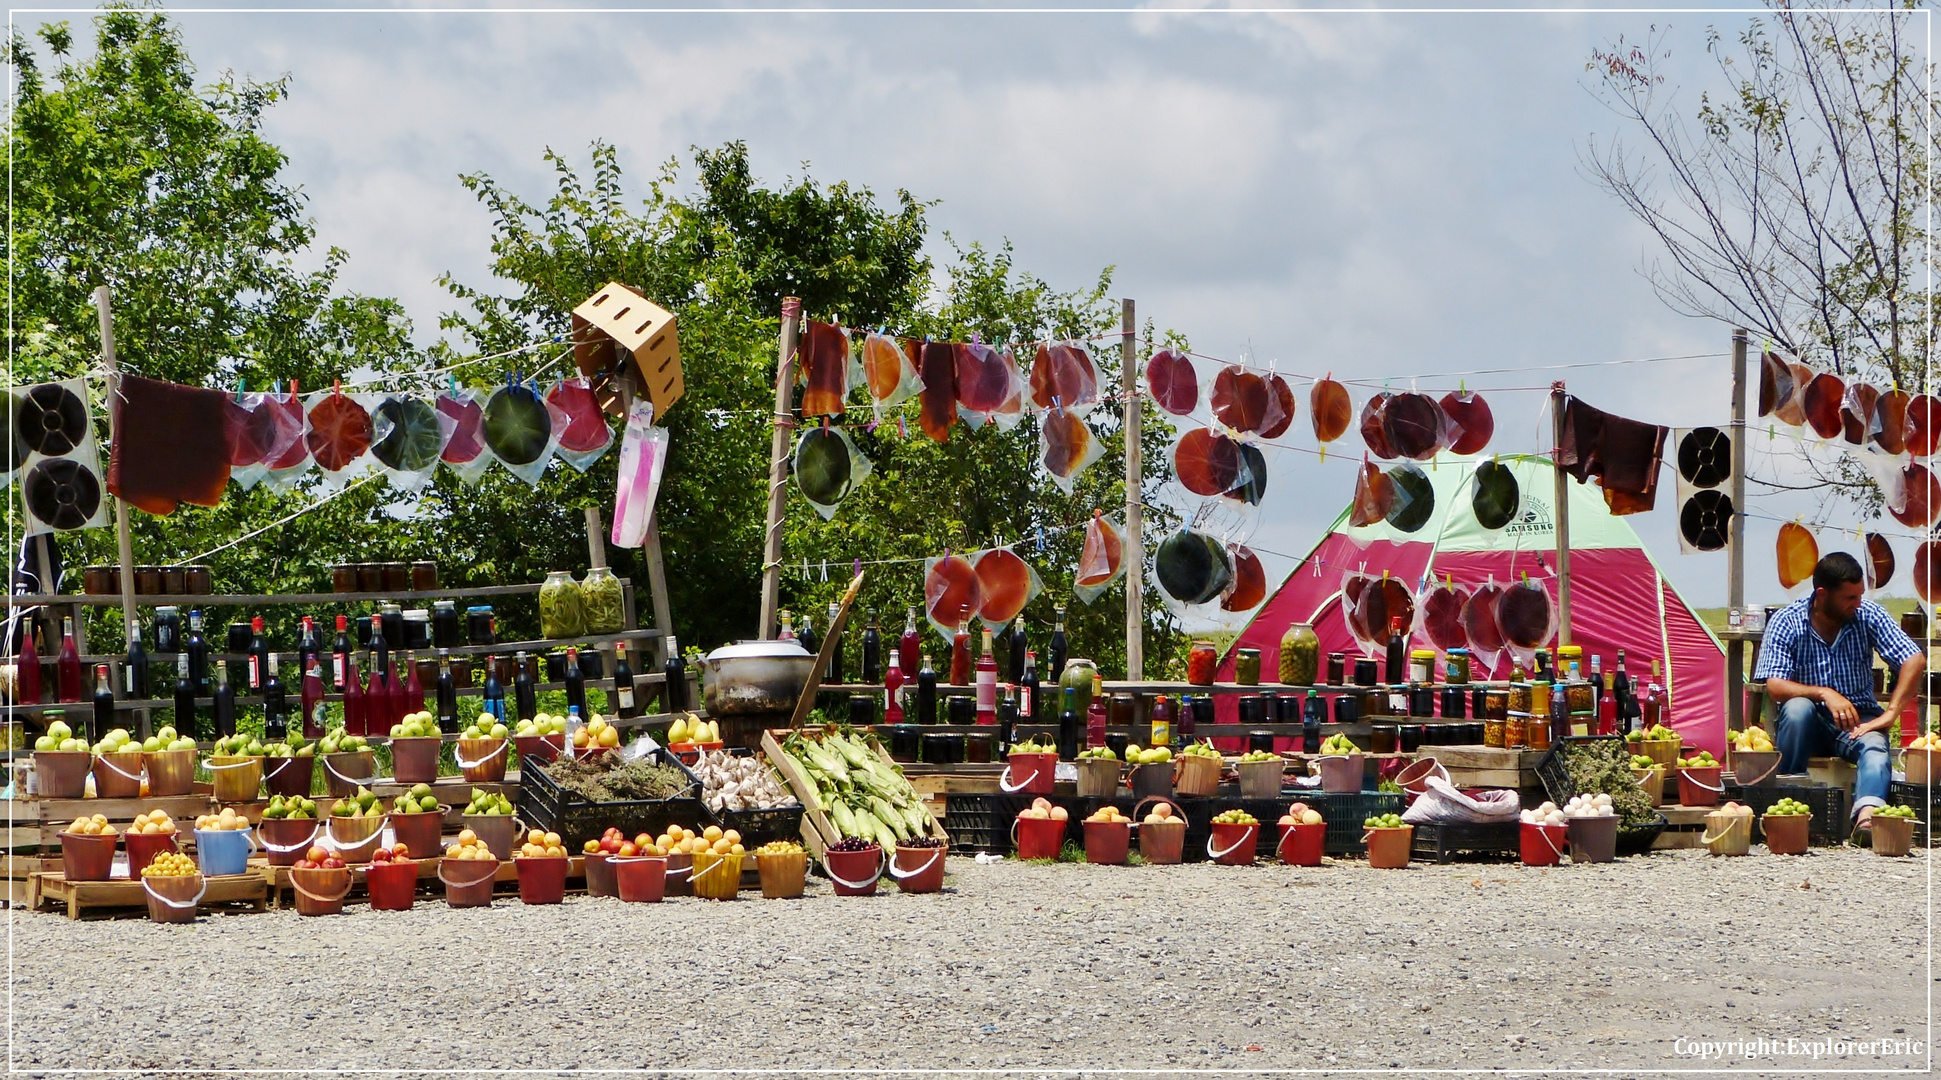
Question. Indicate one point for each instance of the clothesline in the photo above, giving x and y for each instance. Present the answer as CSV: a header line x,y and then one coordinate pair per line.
x,y
286,519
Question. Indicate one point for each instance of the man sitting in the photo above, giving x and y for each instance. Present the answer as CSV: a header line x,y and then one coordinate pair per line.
x,y
1817,663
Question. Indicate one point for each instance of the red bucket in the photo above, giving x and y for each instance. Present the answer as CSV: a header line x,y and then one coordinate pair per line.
x,y
540,748
1039,838
289,776
640,879
1543,845
1700,786
87,858
1029,774
854,873
468,882
414,760
392,885
173,899
600,879
1302,845
542,880
421,833
919,870
1233,845
143,847
1106,842
285,840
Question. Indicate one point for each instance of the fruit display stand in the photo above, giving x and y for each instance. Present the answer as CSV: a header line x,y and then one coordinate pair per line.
x,y
281,893
977,822
123,897
38,822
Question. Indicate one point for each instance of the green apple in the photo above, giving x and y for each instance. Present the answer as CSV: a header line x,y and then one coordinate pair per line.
x,y
47,743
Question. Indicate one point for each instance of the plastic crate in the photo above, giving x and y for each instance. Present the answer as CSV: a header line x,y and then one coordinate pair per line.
x,y
983,822
1832,809
758,827
1343,811
1441,842
545,805
1637,839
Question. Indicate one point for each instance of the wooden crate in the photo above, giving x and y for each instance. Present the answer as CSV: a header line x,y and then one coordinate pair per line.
x,y
121,896
52,816
818,832
1486,766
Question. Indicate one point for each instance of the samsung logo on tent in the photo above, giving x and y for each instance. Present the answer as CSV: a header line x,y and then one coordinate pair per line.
x,y
1533,521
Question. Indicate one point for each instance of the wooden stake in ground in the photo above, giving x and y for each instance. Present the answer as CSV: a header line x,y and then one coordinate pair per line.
x,y
778,464
103,305
1558,398
1135,508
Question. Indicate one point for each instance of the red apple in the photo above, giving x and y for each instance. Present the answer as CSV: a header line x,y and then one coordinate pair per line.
x,y
316,855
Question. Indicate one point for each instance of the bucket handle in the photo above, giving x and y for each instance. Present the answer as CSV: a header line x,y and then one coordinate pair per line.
x,y
210,763
1211,854
687,871
460,884
298,886
719,862
463,764
330,836
902,875
1757,780
1708,838
1137,818
1004,781
1686,774
179,905
1544,831
881,861
248,834
140,775
280,849
282,763
357,781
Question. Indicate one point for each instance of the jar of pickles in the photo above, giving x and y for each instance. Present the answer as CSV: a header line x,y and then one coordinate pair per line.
x,y
1300,655
1455,668
601,598
1518,699
1201,659
562,609
1246,667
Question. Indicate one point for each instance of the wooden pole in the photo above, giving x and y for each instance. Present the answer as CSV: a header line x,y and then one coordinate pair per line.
x,y
1135,508
1735,582
1558,397
778,465
104,308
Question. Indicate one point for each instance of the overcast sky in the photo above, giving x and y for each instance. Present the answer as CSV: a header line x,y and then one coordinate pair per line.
x,y
1376,194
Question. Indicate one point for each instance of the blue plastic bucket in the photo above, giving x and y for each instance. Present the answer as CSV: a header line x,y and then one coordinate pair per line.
x,y
223,851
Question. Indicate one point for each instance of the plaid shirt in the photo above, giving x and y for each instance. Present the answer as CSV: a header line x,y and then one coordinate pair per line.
x,y
1793,650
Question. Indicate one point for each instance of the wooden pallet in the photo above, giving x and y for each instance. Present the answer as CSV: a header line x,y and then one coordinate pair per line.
x,y
246,892
1487,766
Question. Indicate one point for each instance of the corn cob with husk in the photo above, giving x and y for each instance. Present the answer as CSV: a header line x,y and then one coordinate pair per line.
x,y
863,796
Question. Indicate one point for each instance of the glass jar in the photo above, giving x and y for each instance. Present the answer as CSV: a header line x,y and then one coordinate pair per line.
x,y
1455,703
370,577
168,629
1300,655
1422,666
479,625
1337,669
1455,667
1581,696
1201,659
417,629
424,576
397,576
1493,733
562,611
175,580
1384,738
1540,699
200,582
1365,672
343,577
1250,709
1410,738
1422,700
1078,678
1536,733
1120,710
1496,705
1517,699
1347,709
600,594
444,624
1246,667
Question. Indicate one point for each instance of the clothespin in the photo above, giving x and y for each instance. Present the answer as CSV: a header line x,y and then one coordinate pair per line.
x,y
451,382
805,570
855,567
902,429
241,386
825,569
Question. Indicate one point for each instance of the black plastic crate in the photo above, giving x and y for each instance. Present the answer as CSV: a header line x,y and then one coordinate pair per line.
x,y
1342,811
544,804
758,827
983,822
1442,841
1832,809
1637,839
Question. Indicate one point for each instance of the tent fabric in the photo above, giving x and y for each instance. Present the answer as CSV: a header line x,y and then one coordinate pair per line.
x,y
1619,598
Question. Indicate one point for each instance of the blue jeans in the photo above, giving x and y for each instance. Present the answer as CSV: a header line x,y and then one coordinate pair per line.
x,y
1807,730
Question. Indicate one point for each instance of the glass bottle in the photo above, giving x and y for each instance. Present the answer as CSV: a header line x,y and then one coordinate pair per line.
x,y
102,721
1058,650
493,702
69,665
1162,722
926,693
893,690
447,693
805,634
623,682
311,695
340,662
380,652
525,700
1007,719
223,702
872,651
1184,723
960,655
1028,688
909,646
674,687
575,682
1398,653
276,705
354,721
196,649
27,665
787,633
309,645
987,682
1095,714
834,676
400,705
259,651
1014,670
414,687
135,671
1311,711
1070,725
185,724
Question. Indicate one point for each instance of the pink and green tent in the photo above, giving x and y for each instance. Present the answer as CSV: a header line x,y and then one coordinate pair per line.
x,y
1620,599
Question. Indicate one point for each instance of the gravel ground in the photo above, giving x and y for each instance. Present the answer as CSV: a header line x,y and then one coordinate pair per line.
x,y
1481,965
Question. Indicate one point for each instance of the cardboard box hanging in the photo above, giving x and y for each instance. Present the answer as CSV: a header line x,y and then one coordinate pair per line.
x,y
616,315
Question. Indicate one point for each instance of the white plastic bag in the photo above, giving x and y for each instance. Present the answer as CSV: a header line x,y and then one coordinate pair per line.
x,y
1442,804
643,456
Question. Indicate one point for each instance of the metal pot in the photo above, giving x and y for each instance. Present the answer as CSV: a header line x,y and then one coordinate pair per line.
x,y
755,677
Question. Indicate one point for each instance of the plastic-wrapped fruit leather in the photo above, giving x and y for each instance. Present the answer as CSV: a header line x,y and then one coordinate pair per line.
x,y
1470,424
1249,586
643,457
1011,409
1792,410
1820,402
1857,412
1776,386
519,430
1494,495
1066,447
1252,485
1373,431
1880,561
1062,374
1412,426
464,452
1192,568
407,437
938,401
985,380
1914,496
1415,498
1280,408
339,431
169,445
890,370
1172,382
1923,425
1486,641
1442,616
259,429
1206,463
1005,584
1383,600
1100,561
585,436
828,467
1353,584
825,369
1795,551
951,592
1374,496
1927,572
1240,399
1330,409
1526,615
1889,428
